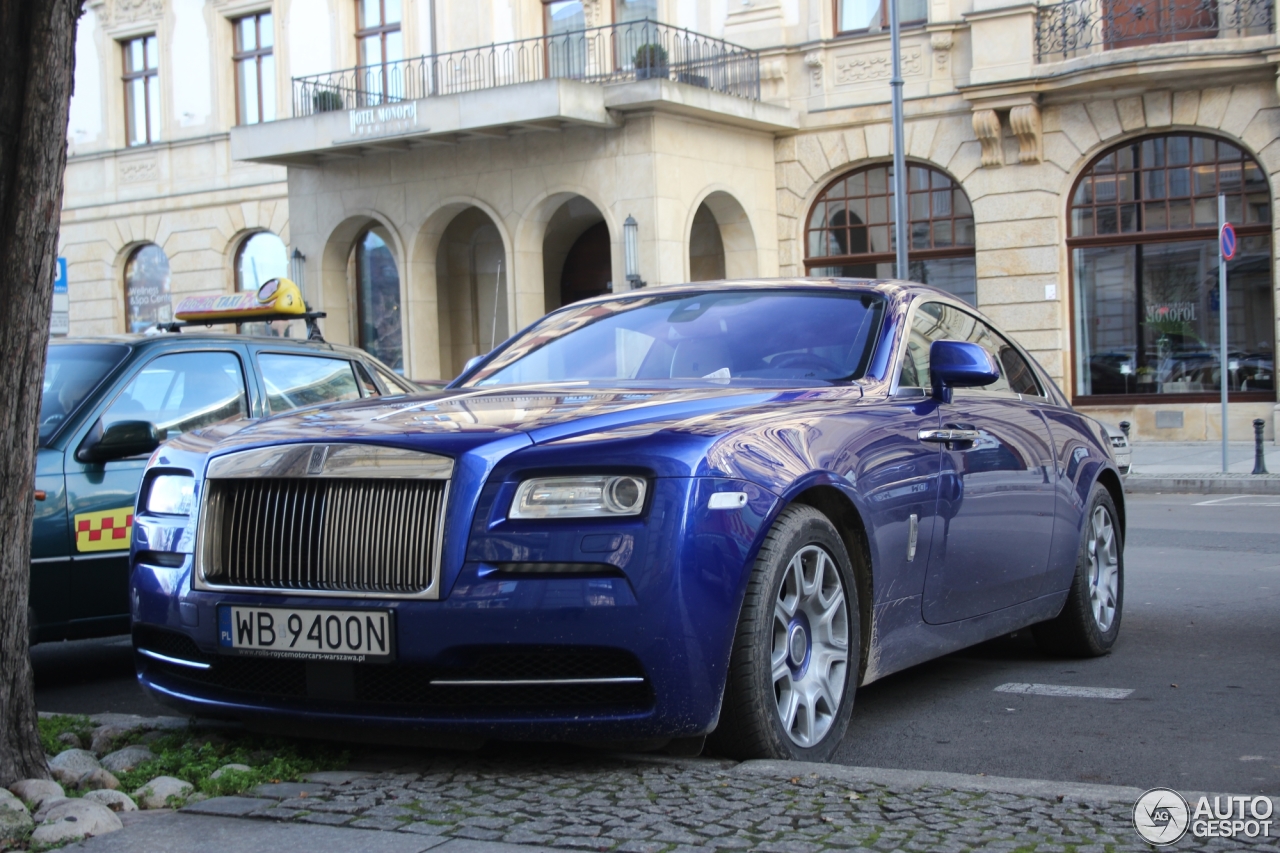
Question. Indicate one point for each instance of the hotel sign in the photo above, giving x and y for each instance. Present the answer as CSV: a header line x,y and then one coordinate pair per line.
x,y
386,120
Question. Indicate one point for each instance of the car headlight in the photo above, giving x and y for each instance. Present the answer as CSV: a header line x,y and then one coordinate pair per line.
x,y
579,497
171,494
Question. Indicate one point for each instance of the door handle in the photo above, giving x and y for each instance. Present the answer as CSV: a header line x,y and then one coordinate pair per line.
x,y
946,436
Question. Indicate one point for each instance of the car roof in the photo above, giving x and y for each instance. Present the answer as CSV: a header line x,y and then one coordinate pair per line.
x,y
167,339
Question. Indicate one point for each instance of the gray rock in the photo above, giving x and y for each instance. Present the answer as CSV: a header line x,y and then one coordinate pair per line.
x,y
69,766
117,801
37,791
73,820
156,793
71,739
97,780
10,803
43,811
124,760
15,824
217,774
105,737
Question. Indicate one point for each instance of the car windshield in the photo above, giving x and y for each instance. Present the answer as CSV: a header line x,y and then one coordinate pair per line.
x,y
71,371
720,335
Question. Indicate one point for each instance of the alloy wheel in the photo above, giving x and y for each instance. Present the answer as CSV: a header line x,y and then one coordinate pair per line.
x,y
810,648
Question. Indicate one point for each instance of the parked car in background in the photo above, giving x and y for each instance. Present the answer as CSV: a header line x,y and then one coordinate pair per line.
x,y
694,510
107,402
1120,447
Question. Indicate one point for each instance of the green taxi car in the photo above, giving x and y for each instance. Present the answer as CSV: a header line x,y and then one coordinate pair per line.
x,y
107,403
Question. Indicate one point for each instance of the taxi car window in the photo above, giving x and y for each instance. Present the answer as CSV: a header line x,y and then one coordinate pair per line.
x,y
730,334
71,372
395,385
294,381
367,385
180,392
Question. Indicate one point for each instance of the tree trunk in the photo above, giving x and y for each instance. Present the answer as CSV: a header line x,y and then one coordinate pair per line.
x,y
37,61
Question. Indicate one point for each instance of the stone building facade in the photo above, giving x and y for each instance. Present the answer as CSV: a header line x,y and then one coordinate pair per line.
x,y
444,173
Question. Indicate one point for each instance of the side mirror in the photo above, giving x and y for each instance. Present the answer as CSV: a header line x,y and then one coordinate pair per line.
x,y
957,364
121,439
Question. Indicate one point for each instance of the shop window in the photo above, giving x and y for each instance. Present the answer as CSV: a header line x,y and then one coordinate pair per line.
x,y
380,51
378,298
141,91
860,16
850,229
1142,230
146,288
255,69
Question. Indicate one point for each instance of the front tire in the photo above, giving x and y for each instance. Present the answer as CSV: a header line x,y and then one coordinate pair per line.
x,y
1090,620
796,655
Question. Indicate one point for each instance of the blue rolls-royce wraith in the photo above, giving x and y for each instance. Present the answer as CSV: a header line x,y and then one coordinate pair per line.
x,y
667,514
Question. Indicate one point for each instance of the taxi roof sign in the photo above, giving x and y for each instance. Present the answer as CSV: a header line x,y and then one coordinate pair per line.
x,y
277,296
277,299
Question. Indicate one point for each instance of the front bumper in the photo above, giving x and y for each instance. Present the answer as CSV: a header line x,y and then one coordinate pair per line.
x,y
638,650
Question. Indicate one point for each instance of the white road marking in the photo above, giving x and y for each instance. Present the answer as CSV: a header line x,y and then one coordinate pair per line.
x,y
1064,690
1221,501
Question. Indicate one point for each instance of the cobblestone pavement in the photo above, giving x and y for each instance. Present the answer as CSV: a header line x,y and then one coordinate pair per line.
x,y
642,805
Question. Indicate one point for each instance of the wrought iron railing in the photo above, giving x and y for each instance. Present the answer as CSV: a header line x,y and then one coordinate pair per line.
x,y
636,50
1077,27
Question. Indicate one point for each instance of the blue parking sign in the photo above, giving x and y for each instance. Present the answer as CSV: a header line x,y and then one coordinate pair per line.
x,y
60,277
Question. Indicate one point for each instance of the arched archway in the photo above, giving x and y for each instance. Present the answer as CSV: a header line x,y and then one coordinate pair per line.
x,y
577,258
850,229
471,274
1142,226
339,288
722,243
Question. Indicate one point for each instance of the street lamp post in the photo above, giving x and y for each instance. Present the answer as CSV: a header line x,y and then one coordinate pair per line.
x,y
631,252
899,154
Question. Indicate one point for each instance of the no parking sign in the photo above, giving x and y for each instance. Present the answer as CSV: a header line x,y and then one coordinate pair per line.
x,y
1227,241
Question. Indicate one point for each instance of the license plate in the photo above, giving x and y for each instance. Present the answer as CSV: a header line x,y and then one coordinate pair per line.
x,y
283,632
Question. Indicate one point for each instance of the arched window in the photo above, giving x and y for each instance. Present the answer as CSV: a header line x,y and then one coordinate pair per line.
x,y
378,297
1142,230
146,288
850,229
261,258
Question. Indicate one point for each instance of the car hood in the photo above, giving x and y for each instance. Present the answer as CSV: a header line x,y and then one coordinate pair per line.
x,y
467,417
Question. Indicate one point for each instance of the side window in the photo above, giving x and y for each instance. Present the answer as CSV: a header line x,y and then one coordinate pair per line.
x,y
395,385
926,327
367,385
963,326
294,381
183,391
1022,378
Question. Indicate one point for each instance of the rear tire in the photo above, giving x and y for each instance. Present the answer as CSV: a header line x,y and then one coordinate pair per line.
x,y
796,655
1090,620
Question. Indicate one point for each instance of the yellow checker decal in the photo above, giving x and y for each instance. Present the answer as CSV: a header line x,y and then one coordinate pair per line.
x,y
109,530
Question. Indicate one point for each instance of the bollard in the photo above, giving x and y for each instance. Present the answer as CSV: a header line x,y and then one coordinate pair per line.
x,y
1124,428
1259,458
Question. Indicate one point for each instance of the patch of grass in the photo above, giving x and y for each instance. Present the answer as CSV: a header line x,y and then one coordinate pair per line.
x,y
52,727
269,760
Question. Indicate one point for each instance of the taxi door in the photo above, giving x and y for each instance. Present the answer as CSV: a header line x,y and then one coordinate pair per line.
x,y
178,391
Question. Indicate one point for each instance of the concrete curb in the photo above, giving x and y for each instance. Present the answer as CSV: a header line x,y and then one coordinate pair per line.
x,y
1203,484
1040,788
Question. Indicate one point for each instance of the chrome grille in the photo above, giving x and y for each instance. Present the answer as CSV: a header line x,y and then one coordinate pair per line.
x,y
356,535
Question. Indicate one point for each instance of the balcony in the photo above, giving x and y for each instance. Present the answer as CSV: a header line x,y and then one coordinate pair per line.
x,y
639,50
1078,28
588,78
